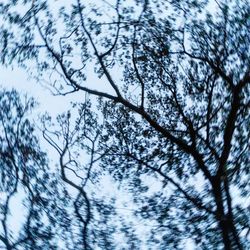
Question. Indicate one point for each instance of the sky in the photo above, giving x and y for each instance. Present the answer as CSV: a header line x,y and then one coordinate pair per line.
x,y
19,79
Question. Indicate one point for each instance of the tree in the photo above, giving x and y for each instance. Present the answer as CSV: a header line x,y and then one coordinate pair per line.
x,y
175,106
74,141
29,182
51,212
24,173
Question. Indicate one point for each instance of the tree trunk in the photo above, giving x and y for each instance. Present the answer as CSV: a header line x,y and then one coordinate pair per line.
x,y
230,216
221,217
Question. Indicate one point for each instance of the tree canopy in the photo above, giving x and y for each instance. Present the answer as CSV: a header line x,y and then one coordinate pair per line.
x,y
165,102
24,172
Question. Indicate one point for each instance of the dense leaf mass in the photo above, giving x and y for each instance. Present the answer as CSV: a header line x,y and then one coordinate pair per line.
x,y
165,112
